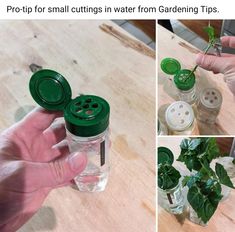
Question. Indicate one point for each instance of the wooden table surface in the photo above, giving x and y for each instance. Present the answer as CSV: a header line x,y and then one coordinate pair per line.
x,y
94,62
222,221
170,45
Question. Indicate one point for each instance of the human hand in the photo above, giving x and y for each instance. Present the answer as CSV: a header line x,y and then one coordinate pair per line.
x,y
34,159
224,64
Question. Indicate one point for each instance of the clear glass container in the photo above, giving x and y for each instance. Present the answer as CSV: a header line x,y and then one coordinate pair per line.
x,y
162,129
95,176
180,119
184,81
188,96
194,218
172,199
208,105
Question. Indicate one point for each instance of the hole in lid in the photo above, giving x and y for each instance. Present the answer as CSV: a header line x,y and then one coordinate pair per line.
x,y
172,110
213,93
78,110
78,103
182,121
206,98
180,106
178,114
88,100
208,93
89,112
215,98
211,101
85,106
186,113
95,105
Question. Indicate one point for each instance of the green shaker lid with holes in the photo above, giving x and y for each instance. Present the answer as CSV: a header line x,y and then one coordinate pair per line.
x,y
165,155
85,116
184,79
170,66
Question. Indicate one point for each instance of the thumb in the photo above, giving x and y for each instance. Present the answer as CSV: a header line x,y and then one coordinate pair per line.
x,y
56,173
65,169
211,63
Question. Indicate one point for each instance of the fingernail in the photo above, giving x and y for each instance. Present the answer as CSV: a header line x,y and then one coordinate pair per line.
x,y
77,162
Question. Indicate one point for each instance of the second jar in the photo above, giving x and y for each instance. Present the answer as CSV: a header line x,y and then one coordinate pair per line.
x,y
184,79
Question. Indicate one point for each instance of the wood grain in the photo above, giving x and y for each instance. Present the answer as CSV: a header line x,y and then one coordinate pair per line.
x,y
170,45
93,62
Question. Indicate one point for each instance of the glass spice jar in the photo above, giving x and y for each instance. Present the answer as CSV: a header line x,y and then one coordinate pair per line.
x,y
180,119
184,80
172,199
87,124
87,121
162,129
208,105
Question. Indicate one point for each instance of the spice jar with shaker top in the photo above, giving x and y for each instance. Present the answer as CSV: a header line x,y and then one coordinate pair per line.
x,y
208,105
184,79
180,119
87,125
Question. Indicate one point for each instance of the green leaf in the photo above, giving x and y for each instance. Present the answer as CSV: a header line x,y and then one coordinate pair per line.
x,y
208,210
223,176
194,143
184,144
210,32
212,149
215,198
168,176
195,198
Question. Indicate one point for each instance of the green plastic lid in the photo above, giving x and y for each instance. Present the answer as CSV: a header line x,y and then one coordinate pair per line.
x,y
165,155
50,89
183,81
87,115
170,66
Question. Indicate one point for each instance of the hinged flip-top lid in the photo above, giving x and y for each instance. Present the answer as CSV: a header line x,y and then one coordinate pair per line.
x,y
50,89
170,66
165,155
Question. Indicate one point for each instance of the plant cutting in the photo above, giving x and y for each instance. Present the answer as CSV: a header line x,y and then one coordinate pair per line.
x,y
204,185
169,182
213,42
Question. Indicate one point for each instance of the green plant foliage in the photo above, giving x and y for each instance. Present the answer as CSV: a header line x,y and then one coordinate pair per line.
x,y
168,176
198,152
205,189
204,196
211,33
223,176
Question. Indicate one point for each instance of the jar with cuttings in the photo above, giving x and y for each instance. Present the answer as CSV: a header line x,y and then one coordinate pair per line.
x,y
87,124
180,119
184,79
169,186
208,105
162,129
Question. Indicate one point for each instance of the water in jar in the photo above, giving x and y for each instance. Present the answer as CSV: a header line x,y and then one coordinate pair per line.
x,y
172,199
95,176
208,105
